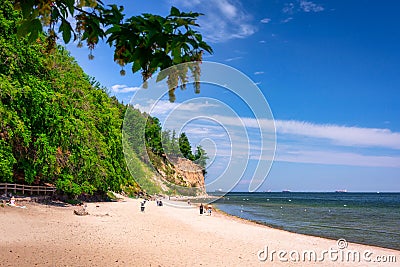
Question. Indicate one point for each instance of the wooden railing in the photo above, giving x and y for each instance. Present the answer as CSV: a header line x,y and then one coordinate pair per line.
x,y
32,189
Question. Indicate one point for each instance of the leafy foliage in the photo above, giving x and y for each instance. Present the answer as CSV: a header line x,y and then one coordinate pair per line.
x,y
57,125
185,147
200,157
148,42
161,142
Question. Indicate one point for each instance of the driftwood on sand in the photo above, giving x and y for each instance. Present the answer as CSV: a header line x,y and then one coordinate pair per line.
x,y
81,212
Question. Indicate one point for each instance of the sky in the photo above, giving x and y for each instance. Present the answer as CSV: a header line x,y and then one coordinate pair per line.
x,y
322,110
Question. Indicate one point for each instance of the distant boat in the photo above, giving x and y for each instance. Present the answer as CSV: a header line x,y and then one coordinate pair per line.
x,y
341,191
219,191
286,191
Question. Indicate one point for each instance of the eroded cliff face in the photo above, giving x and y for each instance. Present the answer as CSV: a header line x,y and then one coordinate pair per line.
x,y
182,177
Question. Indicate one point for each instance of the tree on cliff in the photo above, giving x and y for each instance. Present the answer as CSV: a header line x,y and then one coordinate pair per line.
x,y
148,42
200,157
185,147
153,135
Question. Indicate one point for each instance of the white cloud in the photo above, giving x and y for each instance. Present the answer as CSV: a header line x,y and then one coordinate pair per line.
x,y
288,8
163,107
302,6
337,158
308,6
341,135
227,9
305,142
265,20
258,72
262,42
232,59
287,20
335,134
298,141
122,88
223,19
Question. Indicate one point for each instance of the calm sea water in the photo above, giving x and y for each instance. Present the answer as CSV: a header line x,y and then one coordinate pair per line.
x,y
366,218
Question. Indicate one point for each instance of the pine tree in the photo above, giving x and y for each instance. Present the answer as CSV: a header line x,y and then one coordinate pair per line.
x,y
185,147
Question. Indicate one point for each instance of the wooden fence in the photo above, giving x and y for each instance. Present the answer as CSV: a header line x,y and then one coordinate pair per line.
x,y
32,189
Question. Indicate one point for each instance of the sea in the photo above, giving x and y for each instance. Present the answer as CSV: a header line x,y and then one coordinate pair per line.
x,y
365,218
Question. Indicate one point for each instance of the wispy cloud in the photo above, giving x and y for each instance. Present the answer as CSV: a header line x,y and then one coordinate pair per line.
x,y
258,72
163,107
223,19
289,8
341,135
306,142
297,141
287,20
337,135
122,88
265,20
336,158
302,6
232,59
308,6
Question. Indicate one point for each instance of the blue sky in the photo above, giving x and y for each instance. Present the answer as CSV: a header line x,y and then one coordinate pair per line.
x,y
330,71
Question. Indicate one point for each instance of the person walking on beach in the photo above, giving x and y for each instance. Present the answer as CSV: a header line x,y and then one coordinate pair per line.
x,y
142,206
209,210
201,209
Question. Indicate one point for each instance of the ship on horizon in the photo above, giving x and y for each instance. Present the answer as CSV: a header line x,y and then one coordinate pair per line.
x,y
341,191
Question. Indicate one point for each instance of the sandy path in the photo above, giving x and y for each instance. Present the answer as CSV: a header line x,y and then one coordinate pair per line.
x,y
118,234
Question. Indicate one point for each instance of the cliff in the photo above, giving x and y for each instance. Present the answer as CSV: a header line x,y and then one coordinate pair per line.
x,y
182,177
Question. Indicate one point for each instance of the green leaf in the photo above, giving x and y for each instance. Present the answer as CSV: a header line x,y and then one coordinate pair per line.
x,y
176,53
36,27
162,75
113,29
136,66
66,29
175,11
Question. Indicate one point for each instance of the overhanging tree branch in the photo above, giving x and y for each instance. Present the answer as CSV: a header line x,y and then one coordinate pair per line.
x,y
148,42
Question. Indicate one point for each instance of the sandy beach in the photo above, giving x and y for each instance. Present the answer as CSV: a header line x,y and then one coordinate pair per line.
x,y
119,234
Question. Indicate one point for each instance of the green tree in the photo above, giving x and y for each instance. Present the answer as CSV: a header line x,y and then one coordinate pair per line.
x,y
200,157
153,135
57,125
174,144
185,147
134,127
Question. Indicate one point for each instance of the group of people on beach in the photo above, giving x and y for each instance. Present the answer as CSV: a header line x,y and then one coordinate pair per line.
x,y
205,210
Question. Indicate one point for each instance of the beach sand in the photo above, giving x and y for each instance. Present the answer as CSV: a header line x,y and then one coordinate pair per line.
x,y
119,234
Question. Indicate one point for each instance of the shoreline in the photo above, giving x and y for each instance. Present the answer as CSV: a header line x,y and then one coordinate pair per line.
x,y
119,234
248,221
243,220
